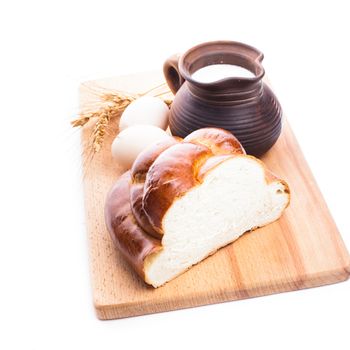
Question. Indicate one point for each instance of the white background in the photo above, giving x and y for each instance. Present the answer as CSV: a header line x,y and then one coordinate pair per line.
x,y
47,49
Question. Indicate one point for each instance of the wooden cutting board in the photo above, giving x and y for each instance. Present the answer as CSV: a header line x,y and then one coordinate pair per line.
x,y
302,249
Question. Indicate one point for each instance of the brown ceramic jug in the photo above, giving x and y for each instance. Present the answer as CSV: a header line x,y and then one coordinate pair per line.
x,y
245,106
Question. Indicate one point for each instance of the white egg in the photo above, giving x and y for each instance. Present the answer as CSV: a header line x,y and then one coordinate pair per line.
x,y
147,110
131,141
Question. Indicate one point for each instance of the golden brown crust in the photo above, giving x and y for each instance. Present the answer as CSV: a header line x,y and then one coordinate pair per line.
x,y
138,177
219,141
172,174
147,157
134,243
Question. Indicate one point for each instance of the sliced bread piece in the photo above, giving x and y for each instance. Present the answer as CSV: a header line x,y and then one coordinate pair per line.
x,y
185,199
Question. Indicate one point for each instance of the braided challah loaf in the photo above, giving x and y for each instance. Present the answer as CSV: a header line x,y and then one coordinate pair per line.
x,y
184,199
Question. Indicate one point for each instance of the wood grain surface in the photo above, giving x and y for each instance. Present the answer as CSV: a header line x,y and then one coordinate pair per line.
x,y
303,249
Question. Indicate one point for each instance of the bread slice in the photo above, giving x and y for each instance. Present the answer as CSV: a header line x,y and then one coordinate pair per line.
x,y
234,198
185,199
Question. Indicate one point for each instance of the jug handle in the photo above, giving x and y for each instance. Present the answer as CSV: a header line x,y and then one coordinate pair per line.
x,y
172,73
